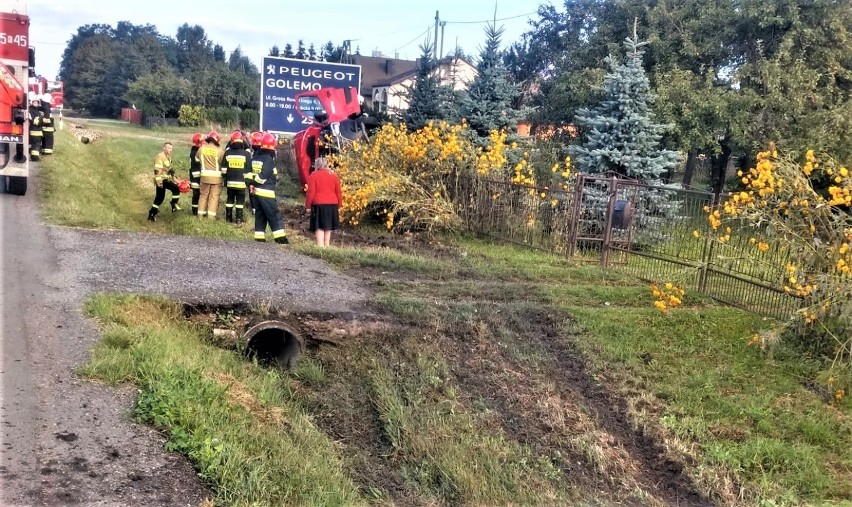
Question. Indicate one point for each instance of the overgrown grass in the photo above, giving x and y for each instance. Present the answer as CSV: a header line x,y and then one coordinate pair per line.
x,y
241,425
752,416
108,184
745,418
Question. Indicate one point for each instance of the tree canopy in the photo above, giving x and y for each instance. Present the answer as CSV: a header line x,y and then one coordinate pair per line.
x,y
105,68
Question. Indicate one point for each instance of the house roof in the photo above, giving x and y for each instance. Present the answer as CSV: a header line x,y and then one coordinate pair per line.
x,y
378,69
447,60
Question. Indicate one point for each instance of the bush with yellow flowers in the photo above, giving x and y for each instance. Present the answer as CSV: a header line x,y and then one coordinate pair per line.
x,y
410,178
801,207
667,297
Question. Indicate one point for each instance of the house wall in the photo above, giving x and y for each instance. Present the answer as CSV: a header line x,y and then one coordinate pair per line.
x,y
456,73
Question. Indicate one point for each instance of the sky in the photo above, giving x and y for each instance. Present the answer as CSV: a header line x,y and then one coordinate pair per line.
x,y
389,26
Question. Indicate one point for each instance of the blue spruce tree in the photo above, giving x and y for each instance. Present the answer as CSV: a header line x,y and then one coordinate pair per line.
x,y
623,139
621,135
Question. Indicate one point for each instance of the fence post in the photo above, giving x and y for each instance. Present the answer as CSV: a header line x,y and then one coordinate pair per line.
x,y
575,215
610,209
706,255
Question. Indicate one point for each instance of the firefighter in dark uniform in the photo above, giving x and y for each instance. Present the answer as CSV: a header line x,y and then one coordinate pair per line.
x,y
264,191
235,163
164,180
254,139
48,128
195,171
36,117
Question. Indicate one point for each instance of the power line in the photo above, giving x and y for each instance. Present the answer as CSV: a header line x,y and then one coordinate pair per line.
x,y
414,39
489,20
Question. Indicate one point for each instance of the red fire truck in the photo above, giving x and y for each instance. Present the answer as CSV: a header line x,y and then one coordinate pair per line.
x,y
15,60
41,85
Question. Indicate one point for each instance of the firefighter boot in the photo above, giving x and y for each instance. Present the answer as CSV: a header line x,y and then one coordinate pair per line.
x,y
282,240
152,214
239,217
229,214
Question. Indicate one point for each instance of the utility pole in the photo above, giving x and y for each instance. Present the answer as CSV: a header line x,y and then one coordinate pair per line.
x,y
437,21
441,54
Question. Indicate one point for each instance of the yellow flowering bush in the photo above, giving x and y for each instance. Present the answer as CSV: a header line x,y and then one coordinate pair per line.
x,y
409,178
801,208
667,297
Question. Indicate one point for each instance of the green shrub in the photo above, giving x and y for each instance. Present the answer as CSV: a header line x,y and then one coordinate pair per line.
x,y
249,119
191,116
225,117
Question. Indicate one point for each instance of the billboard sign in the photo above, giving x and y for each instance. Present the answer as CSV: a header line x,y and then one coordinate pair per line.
x,y
283,78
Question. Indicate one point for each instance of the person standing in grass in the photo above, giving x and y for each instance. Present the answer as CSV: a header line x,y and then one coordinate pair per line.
x,y
164,180
263,188
210,157
323,201
195,171
236,163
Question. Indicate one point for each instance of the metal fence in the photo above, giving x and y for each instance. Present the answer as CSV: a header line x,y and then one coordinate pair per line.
x,y
644,230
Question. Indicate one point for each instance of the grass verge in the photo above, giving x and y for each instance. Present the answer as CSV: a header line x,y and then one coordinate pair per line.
x,y
749,428
108,184
241,425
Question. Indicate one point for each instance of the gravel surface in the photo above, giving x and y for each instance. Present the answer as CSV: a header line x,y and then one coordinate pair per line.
x,y
204,271
65,441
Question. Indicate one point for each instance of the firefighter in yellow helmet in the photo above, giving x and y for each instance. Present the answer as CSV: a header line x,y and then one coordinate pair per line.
x,y
210,158
36,117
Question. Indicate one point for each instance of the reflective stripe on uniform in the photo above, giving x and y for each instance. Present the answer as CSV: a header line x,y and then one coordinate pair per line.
x,y
194,185
195,174
264,192
239,206
155,206
259,235
49,129
236,184
229,205
36,133
278,234
210,173
48,150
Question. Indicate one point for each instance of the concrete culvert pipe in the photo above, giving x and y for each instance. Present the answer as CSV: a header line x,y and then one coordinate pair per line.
x,y
274,342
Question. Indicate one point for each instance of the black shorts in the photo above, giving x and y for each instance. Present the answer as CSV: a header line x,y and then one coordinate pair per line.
x,y
324,217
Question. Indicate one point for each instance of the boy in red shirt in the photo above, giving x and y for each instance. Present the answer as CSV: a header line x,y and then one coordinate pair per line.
x,y
323,201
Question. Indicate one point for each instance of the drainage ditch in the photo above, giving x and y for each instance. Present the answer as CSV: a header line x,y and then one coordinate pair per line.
x,y
274,337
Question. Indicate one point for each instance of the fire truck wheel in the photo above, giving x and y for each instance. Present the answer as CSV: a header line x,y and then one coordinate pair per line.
x,y
17,185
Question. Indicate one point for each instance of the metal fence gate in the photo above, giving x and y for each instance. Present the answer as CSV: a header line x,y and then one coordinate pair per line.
x,y
653,232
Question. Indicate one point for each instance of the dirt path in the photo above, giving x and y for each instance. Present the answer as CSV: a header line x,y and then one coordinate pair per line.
x,y
69,442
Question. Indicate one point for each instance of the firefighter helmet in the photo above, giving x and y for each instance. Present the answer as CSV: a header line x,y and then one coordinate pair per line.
x,y
197,139
268,141
33,96
214,136
256,137
236,137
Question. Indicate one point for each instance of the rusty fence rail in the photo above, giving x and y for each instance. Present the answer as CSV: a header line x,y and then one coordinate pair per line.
x,y
645,230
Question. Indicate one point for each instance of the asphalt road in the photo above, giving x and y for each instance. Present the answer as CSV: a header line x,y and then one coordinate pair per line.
x,y
65,441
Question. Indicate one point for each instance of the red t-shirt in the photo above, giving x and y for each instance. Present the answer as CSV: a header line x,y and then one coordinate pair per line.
x,y
323,188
